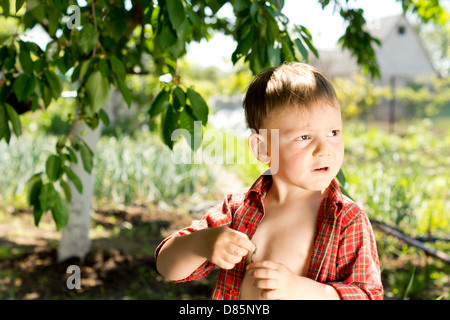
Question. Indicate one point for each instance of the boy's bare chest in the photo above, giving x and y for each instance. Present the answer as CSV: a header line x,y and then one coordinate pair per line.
x,y
286,235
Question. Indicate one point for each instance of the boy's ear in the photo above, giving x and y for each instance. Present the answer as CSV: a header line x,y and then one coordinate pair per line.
x,y
258,145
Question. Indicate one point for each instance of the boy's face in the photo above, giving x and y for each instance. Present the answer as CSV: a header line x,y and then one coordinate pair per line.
x,y
311,148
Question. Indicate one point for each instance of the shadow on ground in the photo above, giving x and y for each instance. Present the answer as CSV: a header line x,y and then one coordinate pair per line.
x,y
121,266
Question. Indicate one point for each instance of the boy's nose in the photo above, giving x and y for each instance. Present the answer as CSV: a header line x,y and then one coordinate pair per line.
x,y
321,149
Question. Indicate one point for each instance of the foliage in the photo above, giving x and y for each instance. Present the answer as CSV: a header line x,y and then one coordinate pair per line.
x,y
95,47
426,97
127,170
407,185
436,39
422,97
212,81
358,95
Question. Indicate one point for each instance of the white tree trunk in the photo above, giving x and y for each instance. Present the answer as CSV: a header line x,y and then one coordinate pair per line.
x,y
75,240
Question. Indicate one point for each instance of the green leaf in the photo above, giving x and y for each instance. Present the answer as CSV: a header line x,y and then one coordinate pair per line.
x,y
60,212
166,37
176,11
341,177
34,187
6,7
55,83
179,98
23,86
74,178
125,92
87,38
118,68
66,190
199,106
193,17
104,117
3,122
104,68
47,197
254,10
274,55
243,47
301,48
9,57
80,70
307,38
279,4
97,88
25,59
37,213
187,121
14,118
115,22
286,48
168,126
47,94
53,17
215,5
19,4
72,156
159,104
53,167
87,156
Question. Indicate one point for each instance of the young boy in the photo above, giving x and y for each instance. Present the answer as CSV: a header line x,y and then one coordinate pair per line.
x,y
292,235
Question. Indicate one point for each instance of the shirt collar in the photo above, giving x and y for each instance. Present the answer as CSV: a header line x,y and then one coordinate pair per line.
x,y
333,195
261,185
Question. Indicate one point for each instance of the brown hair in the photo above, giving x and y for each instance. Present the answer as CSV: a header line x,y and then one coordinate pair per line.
x,y
290,84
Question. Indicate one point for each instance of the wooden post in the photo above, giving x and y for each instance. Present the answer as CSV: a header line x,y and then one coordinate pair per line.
x,y
392,104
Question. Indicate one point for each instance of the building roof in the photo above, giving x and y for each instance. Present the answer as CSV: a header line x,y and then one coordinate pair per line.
x,y
340,63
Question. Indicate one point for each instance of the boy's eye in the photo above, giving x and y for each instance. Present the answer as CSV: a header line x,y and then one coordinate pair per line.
x,y
333,133
302,138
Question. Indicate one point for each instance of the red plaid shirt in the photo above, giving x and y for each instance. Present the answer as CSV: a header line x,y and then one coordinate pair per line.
x,y
344,255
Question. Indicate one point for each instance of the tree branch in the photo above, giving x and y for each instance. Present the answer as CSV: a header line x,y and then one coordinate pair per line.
x,y
94,17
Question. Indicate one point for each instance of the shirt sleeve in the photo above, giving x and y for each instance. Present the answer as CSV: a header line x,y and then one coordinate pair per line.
x,y
358,264
217,216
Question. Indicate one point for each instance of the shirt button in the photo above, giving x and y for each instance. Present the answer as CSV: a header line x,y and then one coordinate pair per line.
x,y
250,226
232,292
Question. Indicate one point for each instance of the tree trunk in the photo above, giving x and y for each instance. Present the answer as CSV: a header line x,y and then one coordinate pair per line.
x,y
75,241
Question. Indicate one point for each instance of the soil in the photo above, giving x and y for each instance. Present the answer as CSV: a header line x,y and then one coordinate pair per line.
x,y
119,266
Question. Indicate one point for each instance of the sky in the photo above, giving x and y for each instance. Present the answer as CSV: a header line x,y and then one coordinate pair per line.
x,y
325,26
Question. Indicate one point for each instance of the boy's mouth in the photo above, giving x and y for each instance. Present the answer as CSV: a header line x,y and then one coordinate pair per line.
x,y
321,169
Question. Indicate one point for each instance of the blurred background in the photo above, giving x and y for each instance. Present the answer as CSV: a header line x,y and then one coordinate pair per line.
x,y
396,167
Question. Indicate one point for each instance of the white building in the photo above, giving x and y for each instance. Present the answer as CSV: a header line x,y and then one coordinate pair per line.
x,y
401,58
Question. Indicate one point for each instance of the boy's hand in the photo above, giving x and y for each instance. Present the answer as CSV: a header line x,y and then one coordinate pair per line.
x,y
275,280
226,247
